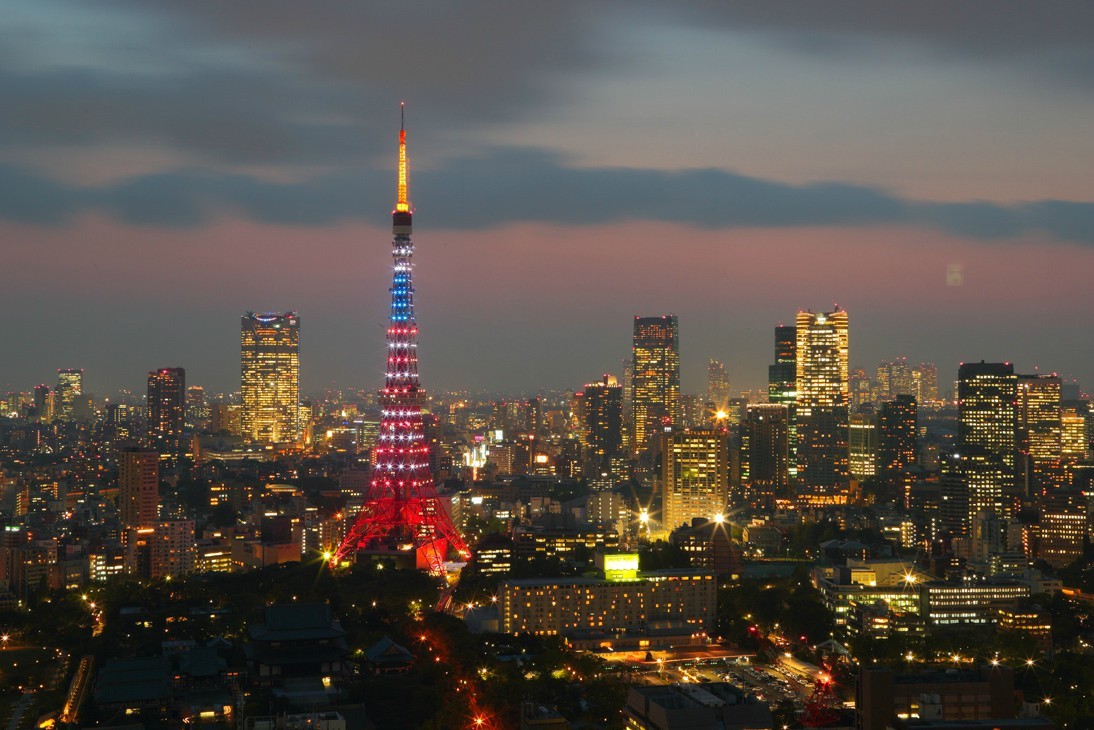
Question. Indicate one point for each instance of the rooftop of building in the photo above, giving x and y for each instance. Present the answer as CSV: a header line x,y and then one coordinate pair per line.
x,y
687,696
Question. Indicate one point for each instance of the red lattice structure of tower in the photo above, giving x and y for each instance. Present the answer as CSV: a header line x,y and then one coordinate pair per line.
x,y
820,708
402,512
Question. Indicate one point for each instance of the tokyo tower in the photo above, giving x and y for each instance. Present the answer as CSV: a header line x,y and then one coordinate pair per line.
x,y
402,512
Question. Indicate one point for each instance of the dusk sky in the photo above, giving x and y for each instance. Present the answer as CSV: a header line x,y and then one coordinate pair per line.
x,y
166,167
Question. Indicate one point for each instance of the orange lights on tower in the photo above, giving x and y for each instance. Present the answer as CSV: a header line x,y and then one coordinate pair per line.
x,y
402,205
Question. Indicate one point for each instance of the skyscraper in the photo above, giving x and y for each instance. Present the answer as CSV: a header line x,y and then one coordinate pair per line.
x,y
402,514
925,376
603,414
782,375
138,487
765,454
894,378
166,410
717,384
862,442
70,386
987,395
43,403
898,437
695,475
656,353
822,382
782,387
1039,433
270,357
197,411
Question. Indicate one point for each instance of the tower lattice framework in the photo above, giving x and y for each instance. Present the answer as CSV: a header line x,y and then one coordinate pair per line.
x,y
402,512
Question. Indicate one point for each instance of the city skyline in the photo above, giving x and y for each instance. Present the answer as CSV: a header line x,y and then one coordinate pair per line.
x,y
892,163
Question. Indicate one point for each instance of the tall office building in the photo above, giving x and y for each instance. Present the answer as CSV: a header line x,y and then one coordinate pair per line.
x,y
43,403
166,410
694,475
603,414
862,442
1039,433
987,396
270,356
898,436
1063,528
197,410
656,357
861,389
925,377
1073,440
765,453
894,378
782,375
822,415
717,384
138,487
70,386
782,385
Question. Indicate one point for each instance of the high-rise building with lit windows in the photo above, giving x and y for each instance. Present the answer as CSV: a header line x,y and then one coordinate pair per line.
x,y
717,384
1063,527
1073,441
782,385
70,386
862,441
166,410
694,476
602,410
925,376
822,385
894,378
765,453
782,375
656,358
43,403
138,487
1039,433
898,436
987,402
270,347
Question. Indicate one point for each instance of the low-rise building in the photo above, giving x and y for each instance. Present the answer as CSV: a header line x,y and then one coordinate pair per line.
x,y
680,602
705,706
884,697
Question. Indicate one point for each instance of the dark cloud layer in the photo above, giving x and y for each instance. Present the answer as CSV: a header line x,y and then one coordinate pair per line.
x,y
519,185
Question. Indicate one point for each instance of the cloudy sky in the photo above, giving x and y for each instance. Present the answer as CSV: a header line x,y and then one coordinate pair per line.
x,y
928,166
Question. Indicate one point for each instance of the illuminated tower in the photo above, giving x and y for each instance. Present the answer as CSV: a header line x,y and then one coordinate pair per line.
x,y
401,511
822,384
270,359
656,353
166,410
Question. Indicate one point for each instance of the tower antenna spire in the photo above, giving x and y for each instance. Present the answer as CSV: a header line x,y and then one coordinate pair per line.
x,y
402,205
